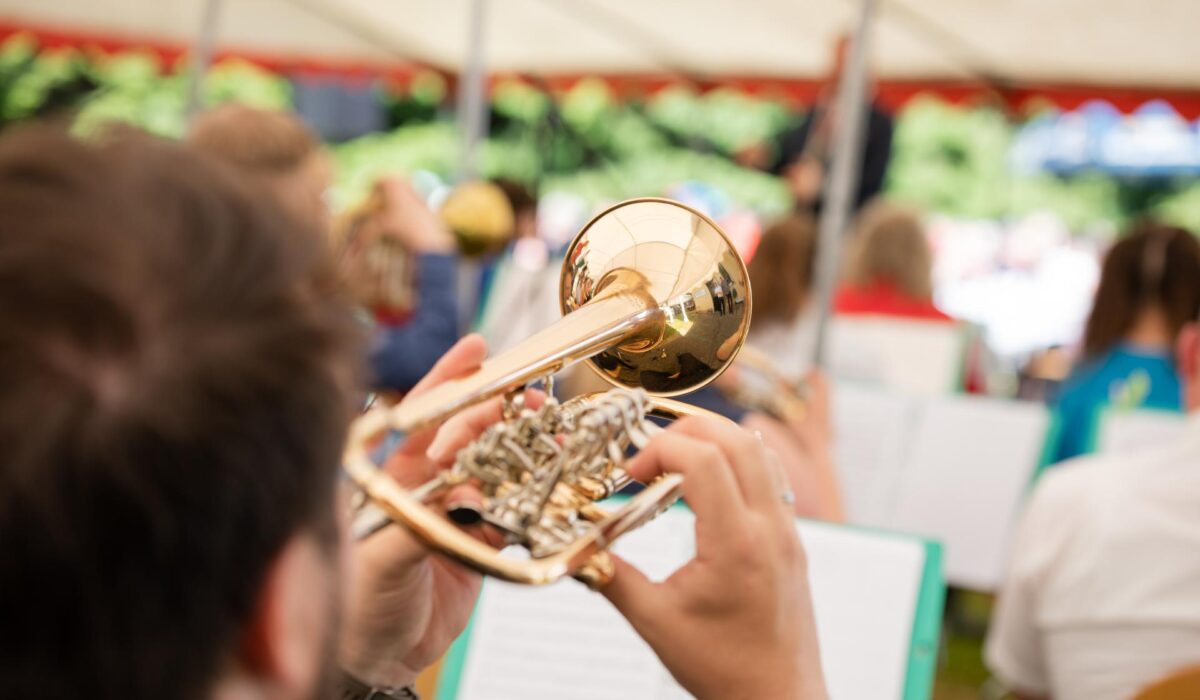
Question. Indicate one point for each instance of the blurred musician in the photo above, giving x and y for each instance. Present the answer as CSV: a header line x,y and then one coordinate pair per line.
x,y
1149,288
804,152
395,255
1100,599
400,259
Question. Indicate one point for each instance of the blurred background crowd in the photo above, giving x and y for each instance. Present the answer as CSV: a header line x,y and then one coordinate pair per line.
x,y
1021,230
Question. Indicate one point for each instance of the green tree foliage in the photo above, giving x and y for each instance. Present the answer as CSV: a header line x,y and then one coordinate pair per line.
x,y
951,160
946,158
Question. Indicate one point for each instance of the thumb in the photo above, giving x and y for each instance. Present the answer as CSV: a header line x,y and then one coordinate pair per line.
x,y
631,593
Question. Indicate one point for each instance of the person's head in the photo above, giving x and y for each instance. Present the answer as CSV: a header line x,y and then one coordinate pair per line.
x,y
524,207
1151,275
273,147
178,371
890,248
782,270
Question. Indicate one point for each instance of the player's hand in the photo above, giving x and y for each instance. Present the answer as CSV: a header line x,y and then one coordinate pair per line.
x,y
405,218
736,621
405,605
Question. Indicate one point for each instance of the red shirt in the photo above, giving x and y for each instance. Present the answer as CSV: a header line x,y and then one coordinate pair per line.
x,y
883,298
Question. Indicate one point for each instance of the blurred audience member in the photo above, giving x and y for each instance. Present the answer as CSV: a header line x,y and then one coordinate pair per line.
x,y
805,152
405,348
281,153
1149,288
1101,595
524,207
273,147
890,266
781,275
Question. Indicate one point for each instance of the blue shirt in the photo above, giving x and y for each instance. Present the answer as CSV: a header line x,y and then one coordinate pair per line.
x,y
403,354
1125,377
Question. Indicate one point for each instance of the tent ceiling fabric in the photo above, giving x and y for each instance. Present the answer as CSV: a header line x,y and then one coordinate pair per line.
x,y
1106,42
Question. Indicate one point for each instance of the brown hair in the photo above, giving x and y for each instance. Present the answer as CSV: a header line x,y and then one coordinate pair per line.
x,y
1155,266
890,248
256,141
781,272
176,364
274,148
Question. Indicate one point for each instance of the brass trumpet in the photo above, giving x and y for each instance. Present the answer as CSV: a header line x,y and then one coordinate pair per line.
x,y
377,269
657,300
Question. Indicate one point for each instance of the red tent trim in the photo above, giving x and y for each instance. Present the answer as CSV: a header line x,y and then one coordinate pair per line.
x,y
891,93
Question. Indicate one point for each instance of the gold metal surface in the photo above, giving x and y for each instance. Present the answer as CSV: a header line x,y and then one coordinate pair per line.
x,y
684,262
652,291
658,300
376,269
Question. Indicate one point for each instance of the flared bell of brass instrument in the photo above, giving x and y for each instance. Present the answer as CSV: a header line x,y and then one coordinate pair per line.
x,y
652,291
658,301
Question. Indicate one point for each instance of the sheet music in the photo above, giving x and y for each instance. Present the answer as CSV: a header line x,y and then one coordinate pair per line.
x,y
871,432
971,465
912,356
565,641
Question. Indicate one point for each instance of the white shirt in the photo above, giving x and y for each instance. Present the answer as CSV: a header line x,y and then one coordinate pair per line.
x,y
1102,595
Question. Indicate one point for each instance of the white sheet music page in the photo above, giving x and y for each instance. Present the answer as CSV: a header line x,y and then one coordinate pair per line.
x,y
565,641
910,356
969,472
871,442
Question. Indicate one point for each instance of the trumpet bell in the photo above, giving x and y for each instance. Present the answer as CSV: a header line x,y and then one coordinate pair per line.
x,y
690,271
651,289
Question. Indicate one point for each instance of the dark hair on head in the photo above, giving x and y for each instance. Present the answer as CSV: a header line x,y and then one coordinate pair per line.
x,y
177,369
518,195
782,269
1154,267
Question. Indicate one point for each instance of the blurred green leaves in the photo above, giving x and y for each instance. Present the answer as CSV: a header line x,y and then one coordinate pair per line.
x,y
946,158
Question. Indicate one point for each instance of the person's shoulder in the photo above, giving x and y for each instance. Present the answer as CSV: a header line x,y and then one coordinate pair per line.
x,y
1068,487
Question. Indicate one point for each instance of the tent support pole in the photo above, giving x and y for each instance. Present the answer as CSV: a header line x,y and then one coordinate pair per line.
x,y
472,98
842,179
202,55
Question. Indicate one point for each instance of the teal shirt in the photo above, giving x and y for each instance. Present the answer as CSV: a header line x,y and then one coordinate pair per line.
x,y
1125,377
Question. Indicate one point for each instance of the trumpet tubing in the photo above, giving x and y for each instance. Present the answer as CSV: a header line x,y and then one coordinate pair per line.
x,y
657,301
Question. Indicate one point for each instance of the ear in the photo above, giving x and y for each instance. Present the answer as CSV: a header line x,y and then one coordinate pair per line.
x,y
288,635
1187,359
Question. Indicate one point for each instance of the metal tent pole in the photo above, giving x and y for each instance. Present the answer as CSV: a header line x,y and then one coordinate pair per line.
x,y
842,180
472,100
202,54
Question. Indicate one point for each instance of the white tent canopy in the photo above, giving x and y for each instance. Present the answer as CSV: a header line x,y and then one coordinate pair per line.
x,y
1105,42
